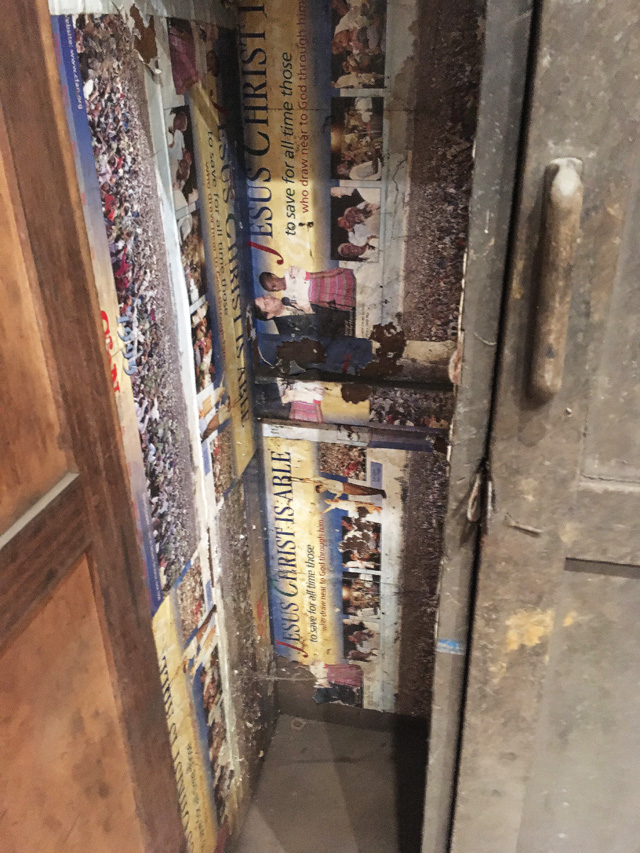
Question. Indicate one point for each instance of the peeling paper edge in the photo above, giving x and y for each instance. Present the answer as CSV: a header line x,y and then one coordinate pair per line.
x,y
205,11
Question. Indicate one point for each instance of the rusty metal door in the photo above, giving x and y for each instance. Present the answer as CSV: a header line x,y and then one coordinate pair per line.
x,y
550,736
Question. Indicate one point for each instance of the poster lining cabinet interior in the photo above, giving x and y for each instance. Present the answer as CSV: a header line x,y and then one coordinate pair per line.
x,y
157,173
336,518
244,169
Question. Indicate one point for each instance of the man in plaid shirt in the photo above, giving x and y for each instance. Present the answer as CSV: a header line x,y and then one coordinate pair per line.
x,y
334,288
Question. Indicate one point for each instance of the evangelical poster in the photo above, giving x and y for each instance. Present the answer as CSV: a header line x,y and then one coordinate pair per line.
x,y
157,179
335,522
202,131
326,163
109,122
354,403
192,774
244,183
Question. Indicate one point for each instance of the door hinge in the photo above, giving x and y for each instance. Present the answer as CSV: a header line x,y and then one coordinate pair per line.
x,y
481,501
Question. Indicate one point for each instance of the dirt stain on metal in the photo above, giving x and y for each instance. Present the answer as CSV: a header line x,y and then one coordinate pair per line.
x,y
528,628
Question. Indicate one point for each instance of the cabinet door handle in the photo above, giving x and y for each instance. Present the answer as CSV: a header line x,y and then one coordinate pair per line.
x,y
560,230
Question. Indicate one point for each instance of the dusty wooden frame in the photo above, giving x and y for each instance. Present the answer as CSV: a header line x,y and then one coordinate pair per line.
x,y
90,511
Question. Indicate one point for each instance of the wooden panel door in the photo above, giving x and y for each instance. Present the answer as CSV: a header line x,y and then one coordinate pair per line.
x,y
84,749
550,741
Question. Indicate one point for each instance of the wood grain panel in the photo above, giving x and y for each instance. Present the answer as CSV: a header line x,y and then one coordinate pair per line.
x,y
35,138
38,552
65,783
31,459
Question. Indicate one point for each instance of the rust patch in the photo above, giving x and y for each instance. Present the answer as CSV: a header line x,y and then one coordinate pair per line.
x,y
354,393
391,339
304,353
386,361
381,367
440,444
145,38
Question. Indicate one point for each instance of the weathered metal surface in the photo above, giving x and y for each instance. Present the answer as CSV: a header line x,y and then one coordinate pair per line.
x,y
612,443
498,133
604,522
536,452
585,776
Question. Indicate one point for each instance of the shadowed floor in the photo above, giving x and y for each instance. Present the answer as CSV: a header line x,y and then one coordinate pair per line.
x,y
329,788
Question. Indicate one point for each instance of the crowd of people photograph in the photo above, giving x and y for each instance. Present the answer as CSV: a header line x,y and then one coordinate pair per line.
x,y
125,162
202,340
360,543
222,457
355,224
342,460
361,639
356,138
181,157
207,676
118,119
358,44
360,595
190,596
192,255
410,407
